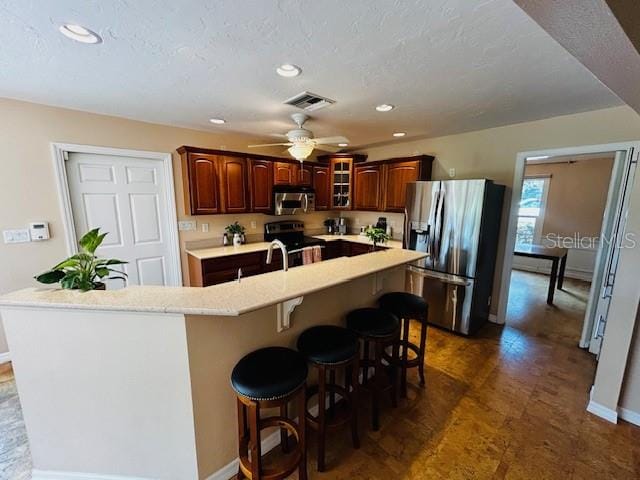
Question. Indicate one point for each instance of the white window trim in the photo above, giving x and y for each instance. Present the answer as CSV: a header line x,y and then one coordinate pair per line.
x,y
537,233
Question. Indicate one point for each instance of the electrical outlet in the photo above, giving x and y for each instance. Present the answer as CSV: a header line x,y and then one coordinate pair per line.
x,y
452,172
205,227
254,225
187,226
19,235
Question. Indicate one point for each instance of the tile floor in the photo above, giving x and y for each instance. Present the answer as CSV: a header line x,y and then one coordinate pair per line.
x,y
506,404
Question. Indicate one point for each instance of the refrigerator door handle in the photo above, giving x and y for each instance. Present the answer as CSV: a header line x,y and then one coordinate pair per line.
x,y
436,238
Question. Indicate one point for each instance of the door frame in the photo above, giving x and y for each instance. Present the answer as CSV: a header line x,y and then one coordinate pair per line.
x,y
516,191
60,153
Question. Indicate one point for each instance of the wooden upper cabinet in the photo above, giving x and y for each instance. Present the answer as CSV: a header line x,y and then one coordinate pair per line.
x,y
284,173
261,185
399,172
367,182
397,177
202,175
305,175
322,186
233,184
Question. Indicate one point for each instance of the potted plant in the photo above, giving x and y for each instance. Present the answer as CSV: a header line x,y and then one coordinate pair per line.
x,y
236,231
84,270
376,235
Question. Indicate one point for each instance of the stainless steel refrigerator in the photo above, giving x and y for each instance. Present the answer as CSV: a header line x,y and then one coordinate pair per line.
x,y
457,222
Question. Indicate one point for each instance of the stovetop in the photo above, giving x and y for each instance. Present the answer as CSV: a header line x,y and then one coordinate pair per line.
x,y
303,242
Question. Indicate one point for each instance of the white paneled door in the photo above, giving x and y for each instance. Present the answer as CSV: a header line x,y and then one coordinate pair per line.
x,y
124,196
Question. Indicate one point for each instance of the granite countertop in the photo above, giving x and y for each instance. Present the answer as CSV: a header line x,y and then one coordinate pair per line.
x,y
226,299
214,252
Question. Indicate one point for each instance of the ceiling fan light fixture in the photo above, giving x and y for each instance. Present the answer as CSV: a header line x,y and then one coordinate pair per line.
x,y
385,107
300,151
288,70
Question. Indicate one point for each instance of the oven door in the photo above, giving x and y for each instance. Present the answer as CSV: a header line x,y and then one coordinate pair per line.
x,y
293,203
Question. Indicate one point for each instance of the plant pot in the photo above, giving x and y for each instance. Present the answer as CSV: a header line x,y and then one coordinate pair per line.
x,y
99,286
237,239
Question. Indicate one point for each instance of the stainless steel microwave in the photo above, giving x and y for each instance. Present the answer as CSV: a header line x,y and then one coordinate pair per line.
x,y
293,200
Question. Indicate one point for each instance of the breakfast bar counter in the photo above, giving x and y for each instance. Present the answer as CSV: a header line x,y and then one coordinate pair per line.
x,y
136,381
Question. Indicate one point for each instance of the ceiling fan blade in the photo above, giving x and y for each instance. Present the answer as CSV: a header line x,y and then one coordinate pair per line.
x,y
270,145
329,140
278,135
328,148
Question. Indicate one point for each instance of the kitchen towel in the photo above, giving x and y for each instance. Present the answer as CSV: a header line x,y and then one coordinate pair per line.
x,y
307,255
317,254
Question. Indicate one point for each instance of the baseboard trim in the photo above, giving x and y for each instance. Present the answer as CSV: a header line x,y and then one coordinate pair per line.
x,y
603,412
629,416
576,274
56,475
5,357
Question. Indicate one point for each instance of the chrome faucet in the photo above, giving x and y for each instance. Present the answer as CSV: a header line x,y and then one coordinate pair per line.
x,y
285,255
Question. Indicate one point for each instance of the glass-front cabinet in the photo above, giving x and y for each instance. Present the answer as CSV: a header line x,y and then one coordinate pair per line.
x,y
341,182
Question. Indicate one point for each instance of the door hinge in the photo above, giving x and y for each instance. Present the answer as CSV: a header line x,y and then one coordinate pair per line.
x,y
600,328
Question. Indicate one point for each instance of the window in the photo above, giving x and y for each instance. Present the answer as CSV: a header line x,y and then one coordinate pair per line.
x,y
531,212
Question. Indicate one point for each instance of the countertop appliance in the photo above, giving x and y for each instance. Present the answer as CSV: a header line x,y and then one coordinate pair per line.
x,y
457,223
293,200
291,233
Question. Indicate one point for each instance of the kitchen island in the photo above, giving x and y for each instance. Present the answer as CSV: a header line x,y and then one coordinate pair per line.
x,y
135,382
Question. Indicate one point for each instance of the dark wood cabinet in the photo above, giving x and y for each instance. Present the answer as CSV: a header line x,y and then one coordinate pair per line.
x,y
233,184
322,186
261,185
397,175
202,180
366,189
305,175
211,271
284,173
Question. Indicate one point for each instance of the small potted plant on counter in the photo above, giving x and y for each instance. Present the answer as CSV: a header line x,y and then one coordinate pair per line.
x,y
236,231
376,235
84,270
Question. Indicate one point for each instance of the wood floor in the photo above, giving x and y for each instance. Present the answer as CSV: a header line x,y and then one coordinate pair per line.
x,y
507,404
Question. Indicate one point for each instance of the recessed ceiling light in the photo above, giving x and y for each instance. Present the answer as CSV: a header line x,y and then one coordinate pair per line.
x,y
385,107
288,70
399,134
343,144
217,121
79,33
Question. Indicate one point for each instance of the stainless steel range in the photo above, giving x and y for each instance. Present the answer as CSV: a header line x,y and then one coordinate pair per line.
x,y
291,234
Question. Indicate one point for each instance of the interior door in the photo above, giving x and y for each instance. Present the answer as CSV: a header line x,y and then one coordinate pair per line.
x,y
125,197
609,250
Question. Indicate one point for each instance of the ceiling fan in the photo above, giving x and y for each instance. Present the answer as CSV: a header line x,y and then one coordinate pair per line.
x,y
301,142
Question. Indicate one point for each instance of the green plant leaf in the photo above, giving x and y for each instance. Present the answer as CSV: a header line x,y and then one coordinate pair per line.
x,y
91,240
102,272
52,276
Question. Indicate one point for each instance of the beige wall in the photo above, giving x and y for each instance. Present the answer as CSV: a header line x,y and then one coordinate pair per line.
x,y
577,196
492,153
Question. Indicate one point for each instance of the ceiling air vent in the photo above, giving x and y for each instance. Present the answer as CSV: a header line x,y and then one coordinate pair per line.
x,y
309,101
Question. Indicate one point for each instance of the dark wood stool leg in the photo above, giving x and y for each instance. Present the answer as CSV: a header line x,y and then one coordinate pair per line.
x,y
406,323
365,368
395,360
302,433
377,387
242,433
321,415
352,377
332,395
423,349
253,414
284,434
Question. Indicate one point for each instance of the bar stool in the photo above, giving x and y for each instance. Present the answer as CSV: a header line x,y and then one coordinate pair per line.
x,y
380,328
330,348
407,306
268,378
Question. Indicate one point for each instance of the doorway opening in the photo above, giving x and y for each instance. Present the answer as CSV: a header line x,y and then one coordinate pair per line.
x,y
128,194
575,245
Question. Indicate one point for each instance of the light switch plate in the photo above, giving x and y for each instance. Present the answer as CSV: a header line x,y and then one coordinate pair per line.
x,y
19,235
187,225
452,172
205,227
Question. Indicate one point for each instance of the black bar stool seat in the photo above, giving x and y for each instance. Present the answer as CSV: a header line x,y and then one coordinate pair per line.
x,y
268,378
330,348
379,328
407,306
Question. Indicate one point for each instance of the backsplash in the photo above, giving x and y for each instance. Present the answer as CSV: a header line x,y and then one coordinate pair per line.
x,y
360,218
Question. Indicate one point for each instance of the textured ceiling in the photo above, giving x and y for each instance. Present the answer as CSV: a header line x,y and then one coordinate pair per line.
x,y
448,65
